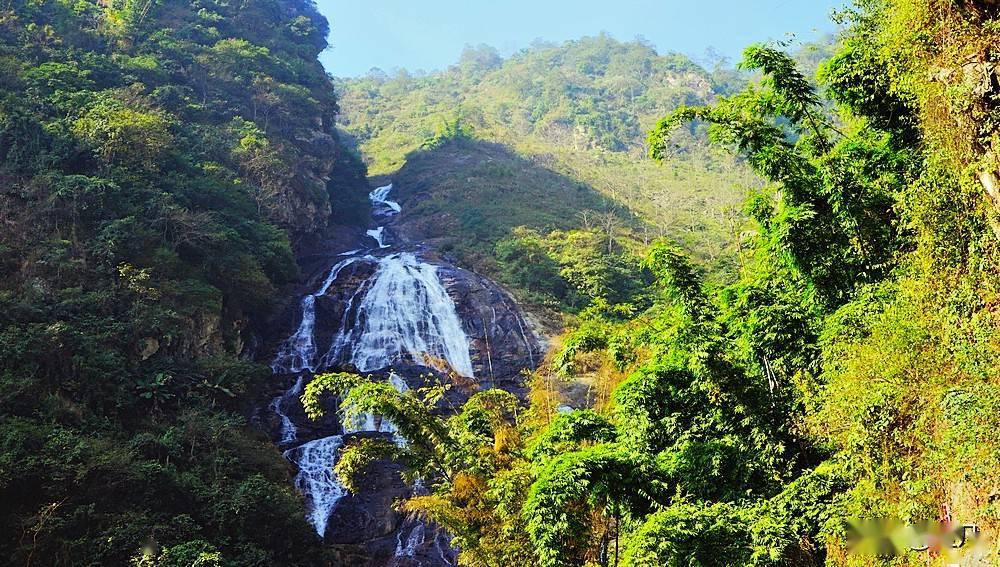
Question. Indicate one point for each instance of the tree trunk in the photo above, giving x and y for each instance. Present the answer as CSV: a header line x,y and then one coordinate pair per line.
x,y
991,183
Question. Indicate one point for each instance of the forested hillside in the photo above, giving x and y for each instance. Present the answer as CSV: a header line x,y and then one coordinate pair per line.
x,y
848,370
579,109
157,159
781,288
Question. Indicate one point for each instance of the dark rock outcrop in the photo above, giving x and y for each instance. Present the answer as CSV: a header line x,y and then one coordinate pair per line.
x,y
368,516
501,342
365,529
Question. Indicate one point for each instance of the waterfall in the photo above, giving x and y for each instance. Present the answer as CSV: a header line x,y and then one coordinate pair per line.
x,y
401,313
379,235
381,206
298,352
524,337
415,539
422,538
398,383
316,479
405,313
288,430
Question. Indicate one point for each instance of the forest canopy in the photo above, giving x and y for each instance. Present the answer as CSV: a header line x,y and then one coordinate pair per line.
x,y
157,160
777,286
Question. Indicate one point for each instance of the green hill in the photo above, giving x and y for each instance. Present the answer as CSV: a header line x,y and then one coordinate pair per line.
x,y
579,109
157,159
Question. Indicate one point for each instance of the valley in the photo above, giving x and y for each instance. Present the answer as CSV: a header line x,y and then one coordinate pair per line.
x,y
575,303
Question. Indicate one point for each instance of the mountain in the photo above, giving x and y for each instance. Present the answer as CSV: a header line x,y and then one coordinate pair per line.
x,y
580,109
222,344
158,160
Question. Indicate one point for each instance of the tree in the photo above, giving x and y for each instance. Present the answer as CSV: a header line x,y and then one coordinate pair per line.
x,y
839,230
470,461
120,135
690,534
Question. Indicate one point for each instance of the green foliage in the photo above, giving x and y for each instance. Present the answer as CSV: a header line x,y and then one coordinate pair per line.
x,y
837,221
449,131
868,265
691,441
655,407
606,477
809,506
143,147
197,553
525,263
577,113
846,369
690,534
570,429
722,378
123,136
605,90
674,271
853,78
591,335
792,94
571,270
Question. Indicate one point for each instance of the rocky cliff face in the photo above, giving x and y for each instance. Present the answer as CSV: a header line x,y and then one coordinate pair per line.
x,y
326,183
301,202
397,311
502,342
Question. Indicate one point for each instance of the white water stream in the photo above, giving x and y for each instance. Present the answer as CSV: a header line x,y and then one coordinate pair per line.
x,y
316,479
287,433
381,203
379,235
298,352
405,313
401,313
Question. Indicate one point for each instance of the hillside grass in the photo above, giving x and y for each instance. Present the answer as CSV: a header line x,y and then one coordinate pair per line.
x,y
573,119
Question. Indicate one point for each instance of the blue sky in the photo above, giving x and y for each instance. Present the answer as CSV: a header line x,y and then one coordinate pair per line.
x,y
430,34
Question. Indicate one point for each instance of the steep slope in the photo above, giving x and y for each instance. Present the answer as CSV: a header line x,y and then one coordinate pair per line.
x,y
579,109
157,159
468,192
390,308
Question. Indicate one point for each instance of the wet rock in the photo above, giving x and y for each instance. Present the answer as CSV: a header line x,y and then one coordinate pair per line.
x,y
368,515
307,429
502,343
422,544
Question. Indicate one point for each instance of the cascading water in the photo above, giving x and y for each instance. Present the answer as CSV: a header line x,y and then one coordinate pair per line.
x,y
401,313
379,235
316,479
298,352
382,208
381,205
416,538
288,431
406,313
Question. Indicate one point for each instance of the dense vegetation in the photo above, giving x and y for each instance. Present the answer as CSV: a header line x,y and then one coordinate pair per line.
x,y
848,370
156,161
578,111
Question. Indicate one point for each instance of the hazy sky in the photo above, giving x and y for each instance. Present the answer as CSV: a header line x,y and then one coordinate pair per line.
x,y
430,34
